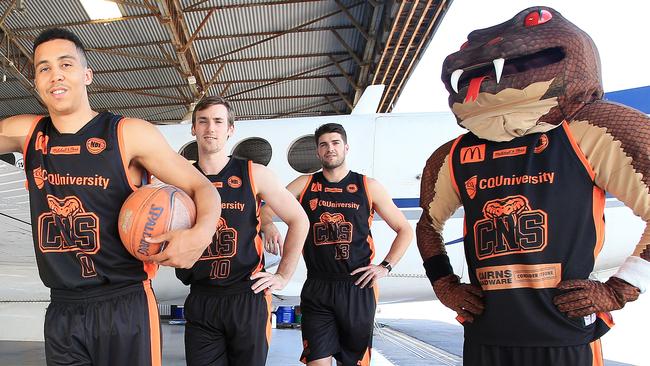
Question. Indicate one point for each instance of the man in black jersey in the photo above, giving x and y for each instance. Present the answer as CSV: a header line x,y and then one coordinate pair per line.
x,y
339,298
80,167
229,306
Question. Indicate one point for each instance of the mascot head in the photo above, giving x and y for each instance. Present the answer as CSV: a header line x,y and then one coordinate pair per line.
x,y
523,76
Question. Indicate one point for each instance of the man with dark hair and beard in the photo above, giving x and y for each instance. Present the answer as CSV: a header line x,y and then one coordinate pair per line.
x,y
339,298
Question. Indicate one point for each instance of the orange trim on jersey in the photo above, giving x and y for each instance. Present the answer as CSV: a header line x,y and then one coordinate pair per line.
x,y
269,303
598,206
607,318
578,151
259,246
26,143
302,194
451,165
29,134
125,164
154,325
371,216
150,268
597,353
365,361
250,177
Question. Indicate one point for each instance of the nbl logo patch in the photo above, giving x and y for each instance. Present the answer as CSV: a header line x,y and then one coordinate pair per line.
x,y
95,145
234,181
510,226
313,203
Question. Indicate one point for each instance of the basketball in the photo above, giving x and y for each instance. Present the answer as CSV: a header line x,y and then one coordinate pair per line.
x,y
152,210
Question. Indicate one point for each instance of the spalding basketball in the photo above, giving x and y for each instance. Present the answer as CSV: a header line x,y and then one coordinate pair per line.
x,y
150,211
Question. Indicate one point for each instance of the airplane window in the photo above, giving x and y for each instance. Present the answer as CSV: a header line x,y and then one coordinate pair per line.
x,y
190,151
302,155
255,148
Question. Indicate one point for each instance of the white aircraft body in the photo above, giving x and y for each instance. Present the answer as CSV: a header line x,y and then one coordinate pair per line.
x,y
392,148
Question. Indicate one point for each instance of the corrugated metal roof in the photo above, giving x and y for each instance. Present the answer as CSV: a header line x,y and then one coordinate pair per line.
x,y
264,46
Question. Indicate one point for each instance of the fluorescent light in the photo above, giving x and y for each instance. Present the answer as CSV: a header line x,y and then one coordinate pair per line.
x,y
101,9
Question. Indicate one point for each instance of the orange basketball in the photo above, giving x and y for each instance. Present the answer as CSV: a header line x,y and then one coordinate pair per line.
x,y
150,211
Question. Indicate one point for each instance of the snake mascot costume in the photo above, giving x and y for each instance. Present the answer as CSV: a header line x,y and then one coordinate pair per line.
x,y
532,173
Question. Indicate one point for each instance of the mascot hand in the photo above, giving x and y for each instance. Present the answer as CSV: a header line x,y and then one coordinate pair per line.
x,y
585,297
464,299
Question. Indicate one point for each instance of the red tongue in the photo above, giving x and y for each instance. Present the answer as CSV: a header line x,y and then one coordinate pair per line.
x,y
474,88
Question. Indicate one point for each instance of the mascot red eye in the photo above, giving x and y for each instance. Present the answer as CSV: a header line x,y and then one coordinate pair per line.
x,y
464,45
537,18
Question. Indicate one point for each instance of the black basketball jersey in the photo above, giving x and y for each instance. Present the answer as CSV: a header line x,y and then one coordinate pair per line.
x,y
533,218
340,214
77,183
236,251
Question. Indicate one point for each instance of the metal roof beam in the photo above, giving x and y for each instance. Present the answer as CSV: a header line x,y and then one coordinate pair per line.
x,y
291,77
133,69
195,7
108,89
283,97
369,51
347,47
302,109
172,18
86,22
137,5
338,111
338,66
196,32
303,25
272,33
15,58
280,57
416,54
340,93
354,22
133,55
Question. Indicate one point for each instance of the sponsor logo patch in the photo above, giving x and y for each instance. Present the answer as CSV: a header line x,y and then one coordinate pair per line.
x,y
547,275
352,188
333,190
95,145
40,143
542,143
316,187
472,154
521,150
470,186
234,181
65,150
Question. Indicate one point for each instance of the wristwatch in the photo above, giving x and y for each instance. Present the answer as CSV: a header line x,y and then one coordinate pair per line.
x,y
386,265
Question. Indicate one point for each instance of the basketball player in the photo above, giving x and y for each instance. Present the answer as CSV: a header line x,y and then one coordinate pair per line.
x,y
80,166
228,309
339,298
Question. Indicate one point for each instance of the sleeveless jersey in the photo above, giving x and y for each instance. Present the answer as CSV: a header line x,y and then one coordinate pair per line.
x,y
236,251
340,214
77,183
533,218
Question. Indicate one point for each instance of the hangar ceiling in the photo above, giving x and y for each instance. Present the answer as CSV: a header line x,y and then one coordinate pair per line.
x,y
282,58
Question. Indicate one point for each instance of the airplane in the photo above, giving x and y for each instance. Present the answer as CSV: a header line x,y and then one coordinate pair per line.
x,y
392,148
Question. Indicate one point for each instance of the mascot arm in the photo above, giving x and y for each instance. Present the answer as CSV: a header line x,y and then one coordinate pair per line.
x,y
614,139
439,200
